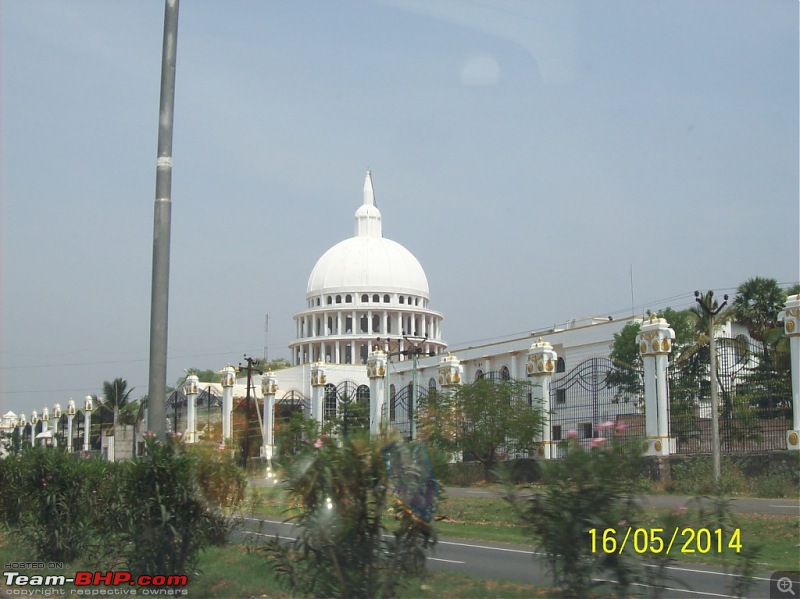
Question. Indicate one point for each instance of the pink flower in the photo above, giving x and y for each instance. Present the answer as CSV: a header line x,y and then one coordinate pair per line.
x,y
621,426
222,445
572,434
318,443
605,426
679,509
596,442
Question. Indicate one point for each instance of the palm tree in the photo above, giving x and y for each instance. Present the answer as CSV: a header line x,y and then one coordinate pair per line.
x,y
757,305
117,400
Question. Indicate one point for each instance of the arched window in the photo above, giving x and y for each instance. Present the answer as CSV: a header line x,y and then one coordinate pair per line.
x,y
386,299
338,299
402,300
376,298
330,300
362,395
364,298
561,365
330,401
478,374
348,299
432,384
505,374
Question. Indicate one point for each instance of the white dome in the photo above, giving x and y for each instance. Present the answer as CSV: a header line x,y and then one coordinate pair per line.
x,y
367,264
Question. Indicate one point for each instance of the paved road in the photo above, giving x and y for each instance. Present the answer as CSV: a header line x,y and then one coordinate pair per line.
x,y
519,563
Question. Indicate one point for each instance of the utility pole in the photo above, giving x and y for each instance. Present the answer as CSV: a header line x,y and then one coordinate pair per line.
x,y
159,299
250,361
711,309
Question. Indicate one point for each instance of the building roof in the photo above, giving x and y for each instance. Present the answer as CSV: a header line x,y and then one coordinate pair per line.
x,y
368,261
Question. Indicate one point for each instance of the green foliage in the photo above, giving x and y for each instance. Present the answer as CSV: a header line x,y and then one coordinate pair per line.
x,y
485,420
343,548
51,508
627,362
589,489
292,433
169,521
205,376
757,304
116,401
152,516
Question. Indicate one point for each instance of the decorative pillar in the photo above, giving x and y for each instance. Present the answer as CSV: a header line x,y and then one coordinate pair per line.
x,y
34,422
45,425
57,417
542,359
228,377
70,418
87,423
318,380
376,371
655,343
269,386
451,377
21,424
791,326
190,389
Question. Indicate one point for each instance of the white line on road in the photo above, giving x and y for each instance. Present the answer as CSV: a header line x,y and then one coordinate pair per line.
x,y
449,561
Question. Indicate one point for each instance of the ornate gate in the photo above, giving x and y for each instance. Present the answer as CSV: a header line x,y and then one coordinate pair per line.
x,y
597,390
399,410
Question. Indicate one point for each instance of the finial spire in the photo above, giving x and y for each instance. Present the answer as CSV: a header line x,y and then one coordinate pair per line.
x,y
369,193
368,217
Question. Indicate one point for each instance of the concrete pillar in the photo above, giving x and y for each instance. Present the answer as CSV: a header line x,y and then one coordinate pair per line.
x,y
655,343
542,360
45,424
318,381
21,424
376,371
451,377
190,389
87,423
227,378
34,422
791,326
56,418
269,386
70,418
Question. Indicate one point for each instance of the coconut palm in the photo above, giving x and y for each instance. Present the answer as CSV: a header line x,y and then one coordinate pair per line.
x,y
117,400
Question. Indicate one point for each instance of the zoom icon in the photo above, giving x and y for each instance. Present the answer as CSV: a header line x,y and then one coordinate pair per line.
x,y
784,585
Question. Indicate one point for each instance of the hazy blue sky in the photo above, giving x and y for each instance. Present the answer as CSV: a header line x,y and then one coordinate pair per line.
x,y
530,154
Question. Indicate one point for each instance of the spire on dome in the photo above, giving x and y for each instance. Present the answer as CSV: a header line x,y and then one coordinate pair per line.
x,y
369,193
368,217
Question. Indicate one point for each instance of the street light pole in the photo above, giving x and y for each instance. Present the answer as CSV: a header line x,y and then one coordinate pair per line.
x,y
159,299
708,305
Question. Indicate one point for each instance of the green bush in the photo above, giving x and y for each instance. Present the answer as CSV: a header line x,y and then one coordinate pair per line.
x,y
590,489
343,548
55,514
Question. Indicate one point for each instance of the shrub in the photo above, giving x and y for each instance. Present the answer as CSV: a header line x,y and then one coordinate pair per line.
x,y
591,488
168,519
343,549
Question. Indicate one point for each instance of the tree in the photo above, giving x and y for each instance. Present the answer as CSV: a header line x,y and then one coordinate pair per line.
x,y
484,420
757,304
117,401
204,376
343,490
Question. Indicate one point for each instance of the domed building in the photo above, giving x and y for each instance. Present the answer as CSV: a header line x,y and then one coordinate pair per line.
x,y
363,289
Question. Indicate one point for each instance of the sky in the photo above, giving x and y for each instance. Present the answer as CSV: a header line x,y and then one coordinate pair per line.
x,y
544,161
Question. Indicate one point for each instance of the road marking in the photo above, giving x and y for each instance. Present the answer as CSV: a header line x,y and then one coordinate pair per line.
x,y
449,561
487,547
786,507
